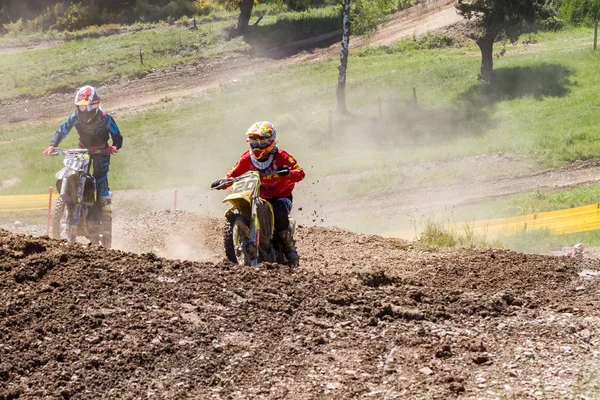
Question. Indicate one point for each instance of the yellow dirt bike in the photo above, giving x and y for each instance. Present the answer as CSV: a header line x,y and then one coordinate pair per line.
x,y
250,223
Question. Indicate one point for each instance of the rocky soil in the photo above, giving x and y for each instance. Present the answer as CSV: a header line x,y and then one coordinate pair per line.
x,y
363,317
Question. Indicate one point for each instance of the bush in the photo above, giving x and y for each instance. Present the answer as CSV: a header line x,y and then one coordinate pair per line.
x,y
204,7
299,5
180,8
14,28
76,17
579,12
428,42
551,24
436,41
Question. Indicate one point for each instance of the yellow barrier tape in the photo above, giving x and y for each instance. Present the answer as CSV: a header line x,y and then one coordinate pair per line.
x,y
26,203
559,222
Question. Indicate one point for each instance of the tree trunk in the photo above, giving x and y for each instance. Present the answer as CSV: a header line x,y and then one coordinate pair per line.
x,y
244,18
341,88
486,45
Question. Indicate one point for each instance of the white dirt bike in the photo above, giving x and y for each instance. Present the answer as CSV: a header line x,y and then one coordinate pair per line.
x,y
76,212
250,224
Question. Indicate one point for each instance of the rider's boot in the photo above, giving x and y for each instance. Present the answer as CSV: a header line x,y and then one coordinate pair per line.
x,y
106,231
287,240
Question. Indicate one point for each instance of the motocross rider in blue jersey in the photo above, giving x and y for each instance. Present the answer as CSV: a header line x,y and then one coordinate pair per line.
x,y
95,128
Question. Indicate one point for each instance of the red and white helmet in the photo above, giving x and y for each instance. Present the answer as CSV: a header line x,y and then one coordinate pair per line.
x,y
87,102
576,251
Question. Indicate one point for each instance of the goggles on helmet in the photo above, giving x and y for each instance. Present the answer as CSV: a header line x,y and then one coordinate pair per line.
x,y
88,107
259,142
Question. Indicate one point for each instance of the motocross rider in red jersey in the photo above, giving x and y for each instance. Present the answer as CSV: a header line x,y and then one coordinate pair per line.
x,y
281,173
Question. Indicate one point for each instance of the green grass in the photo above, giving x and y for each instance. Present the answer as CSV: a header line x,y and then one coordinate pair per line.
x,y
434,234
106,59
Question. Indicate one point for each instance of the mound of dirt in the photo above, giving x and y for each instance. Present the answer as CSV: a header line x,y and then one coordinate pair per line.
x,y
363,317
172,234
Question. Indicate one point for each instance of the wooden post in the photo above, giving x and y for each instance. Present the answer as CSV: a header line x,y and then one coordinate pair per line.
x,y
175,200
379,101
595,34
415,96
49,212
141,56
330,124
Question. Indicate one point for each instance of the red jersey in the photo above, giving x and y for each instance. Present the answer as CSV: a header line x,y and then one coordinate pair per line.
x,y
271,186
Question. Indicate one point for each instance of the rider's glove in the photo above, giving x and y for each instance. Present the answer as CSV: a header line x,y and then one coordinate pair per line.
x,y
112,150
284,170
216,183
48,151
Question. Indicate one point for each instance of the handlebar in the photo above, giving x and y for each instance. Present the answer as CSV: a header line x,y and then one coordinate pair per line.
x,y
224,182
59,151
229,181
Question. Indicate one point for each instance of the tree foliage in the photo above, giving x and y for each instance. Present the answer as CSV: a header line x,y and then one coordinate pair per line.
x,y
580,11
41,15
495,17
511,17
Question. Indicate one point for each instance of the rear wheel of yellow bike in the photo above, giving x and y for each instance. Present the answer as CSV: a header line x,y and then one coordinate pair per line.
x,y
236,238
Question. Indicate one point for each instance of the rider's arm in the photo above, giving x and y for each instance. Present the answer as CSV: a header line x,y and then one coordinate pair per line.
x,y
115,134
296,172
241,167
64,130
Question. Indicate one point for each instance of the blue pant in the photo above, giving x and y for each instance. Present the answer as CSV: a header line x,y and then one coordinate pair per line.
x,y
282,207
101,165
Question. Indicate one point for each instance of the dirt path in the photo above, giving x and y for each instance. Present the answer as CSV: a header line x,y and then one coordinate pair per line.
x,y
388,210
419,20
192,79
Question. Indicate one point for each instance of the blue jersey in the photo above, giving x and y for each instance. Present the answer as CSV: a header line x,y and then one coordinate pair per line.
x,y
91,134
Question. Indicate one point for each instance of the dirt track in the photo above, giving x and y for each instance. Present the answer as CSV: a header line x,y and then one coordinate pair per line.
x,y
364,317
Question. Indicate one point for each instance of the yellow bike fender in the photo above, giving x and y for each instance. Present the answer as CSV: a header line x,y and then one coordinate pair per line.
x,y
240,203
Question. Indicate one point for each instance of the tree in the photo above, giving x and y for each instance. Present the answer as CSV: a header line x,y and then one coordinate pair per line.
x,y
245,12
496,17
341,88
363,16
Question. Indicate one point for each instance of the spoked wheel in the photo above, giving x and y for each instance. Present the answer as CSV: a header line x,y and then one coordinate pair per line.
x,y
236,240
62,227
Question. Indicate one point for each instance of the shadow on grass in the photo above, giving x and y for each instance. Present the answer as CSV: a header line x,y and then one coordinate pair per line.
x,y
289,36
415,125
544,80
402,123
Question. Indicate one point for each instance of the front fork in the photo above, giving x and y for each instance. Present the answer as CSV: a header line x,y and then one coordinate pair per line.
x,y
255,230
81,187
